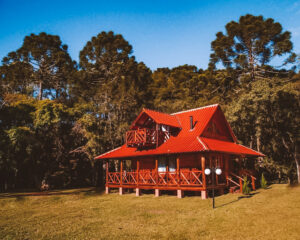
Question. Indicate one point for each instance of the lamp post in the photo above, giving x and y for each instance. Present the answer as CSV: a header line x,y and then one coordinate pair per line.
x,y
213,171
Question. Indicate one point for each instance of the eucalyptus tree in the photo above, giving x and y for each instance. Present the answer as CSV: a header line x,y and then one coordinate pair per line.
x,y
250,44
41,62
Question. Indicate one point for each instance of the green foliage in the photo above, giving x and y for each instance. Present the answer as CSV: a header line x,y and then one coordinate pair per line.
x,y
250,44
266,117
42,61
263,182
91,105
118,89
246,188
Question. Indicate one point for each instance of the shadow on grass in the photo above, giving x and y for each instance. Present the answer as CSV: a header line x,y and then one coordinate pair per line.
x,y
238,199
21,196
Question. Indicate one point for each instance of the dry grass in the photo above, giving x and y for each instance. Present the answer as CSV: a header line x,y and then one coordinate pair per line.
x,y
79,214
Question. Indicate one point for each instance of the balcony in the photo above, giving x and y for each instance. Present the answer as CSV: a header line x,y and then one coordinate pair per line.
x,y
146,138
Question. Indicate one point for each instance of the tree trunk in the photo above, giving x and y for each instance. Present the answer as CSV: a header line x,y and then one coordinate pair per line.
x,y
297,164
40,90
251,61
258,143
298,170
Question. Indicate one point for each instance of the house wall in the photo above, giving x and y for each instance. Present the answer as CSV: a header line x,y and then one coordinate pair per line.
x,y
190,161
147,163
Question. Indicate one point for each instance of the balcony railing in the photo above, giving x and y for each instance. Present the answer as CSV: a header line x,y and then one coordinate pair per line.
x,y
154,178
146,137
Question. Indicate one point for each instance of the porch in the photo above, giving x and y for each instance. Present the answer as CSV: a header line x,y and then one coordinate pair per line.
x,y
181,173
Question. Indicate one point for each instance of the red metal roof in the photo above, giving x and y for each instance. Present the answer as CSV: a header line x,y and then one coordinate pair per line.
x,y
229,147
160,118
187,140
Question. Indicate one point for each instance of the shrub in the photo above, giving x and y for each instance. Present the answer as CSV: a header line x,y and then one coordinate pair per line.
x,y
263,181
246,188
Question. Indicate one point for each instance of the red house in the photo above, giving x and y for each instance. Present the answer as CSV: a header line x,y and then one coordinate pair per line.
x,y
171,151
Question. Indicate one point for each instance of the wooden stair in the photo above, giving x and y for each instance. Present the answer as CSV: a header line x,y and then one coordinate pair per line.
x,y
234,189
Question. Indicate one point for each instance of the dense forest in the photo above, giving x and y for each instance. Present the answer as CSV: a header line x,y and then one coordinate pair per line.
x,y
56,115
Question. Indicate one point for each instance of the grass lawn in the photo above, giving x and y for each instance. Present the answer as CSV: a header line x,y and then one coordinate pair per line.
x,y
273,213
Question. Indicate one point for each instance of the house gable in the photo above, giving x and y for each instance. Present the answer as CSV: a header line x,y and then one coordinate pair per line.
x,y
218,128
149,118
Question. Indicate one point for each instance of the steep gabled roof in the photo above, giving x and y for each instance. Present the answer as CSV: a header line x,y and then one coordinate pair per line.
x,y
159,118
187,140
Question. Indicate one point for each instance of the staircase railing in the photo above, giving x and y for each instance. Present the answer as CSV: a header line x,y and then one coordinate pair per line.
x,y
240,180
249,174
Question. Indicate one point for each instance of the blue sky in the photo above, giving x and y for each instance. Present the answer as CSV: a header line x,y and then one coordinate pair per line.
x,y
163,33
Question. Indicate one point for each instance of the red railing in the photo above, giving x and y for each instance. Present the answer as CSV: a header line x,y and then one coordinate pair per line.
x,y
248,173
146,137
152,178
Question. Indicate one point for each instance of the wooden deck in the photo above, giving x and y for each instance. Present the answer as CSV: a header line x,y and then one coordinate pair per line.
x,y
189,180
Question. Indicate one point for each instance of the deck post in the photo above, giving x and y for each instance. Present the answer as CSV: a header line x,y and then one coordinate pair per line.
x,y
253,183
156,171
121,178
106,178
157,192
203,195
241,185
137,190
226,159
178,169
203,192
180,193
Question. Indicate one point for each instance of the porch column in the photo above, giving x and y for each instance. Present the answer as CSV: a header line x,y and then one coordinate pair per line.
x,y
226,159
240,164
203,192
106,177
240,180
157,191
121,191
178,169
137,190
180,193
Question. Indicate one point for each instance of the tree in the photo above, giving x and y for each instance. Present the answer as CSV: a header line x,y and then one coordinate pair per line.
x,y
267,118
114,83
251,43
42,62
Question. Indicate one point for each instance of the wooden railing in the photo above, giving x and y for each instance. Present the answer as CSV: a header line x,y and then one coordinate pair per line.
x,y
152,178
235,180
245,172
146,137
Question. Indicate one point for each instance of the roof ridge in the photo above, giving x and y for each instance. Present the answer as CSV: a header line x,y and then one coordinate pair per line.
x,y
194,109
147,109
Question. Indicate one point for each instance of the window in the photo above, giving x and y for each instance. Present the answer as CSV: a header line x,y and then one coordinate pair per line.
x,y
172,164
162,166
163,162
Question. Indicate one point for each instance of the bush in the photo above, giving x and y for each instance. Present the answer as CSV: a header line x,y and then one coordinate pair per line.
x,y
263,181
246,188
